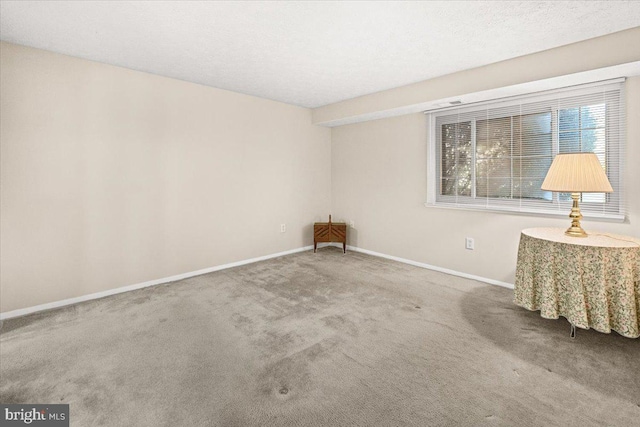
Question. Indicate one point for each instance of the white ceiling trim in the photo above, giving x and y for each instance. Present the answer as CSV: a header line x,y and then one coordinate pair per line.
x,y
585,77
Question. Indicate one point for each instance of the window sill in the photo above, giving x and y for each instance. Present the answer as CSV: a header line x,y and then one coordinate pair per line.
x,y
530,212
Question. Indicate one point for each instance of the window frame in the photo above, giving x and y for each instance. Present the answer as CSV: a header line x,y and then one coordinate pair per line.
x,y
613,208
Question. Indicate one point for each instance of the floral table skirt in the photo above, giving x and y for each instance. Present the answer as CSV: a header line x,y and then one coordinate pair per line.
x,y
592,286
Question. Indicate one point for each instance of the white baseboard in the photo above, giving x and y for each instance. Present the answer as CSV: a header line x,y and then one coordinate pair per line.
x,y
65,302
62,303
428,266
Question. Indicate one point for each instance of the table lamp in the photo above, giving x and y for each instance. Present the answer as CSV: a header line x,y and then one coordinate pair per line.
x,y
576,173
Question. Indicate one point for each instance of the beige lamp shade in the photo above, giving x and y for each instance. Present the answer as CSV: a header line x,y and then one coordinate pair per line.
x,y
576,173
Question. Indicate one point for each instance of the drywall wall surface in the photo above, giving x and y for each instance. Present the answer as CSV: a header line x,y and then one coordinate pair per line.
x,y
610,50
112,177
379,180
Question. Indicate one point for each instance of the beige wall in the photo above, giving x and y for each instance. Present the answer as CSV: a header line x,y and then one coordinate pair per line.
x,y
111,177
379,171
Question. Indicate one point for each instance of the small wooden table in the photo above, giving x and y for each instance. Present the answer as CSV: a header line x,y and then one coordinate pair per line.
x,y
330,232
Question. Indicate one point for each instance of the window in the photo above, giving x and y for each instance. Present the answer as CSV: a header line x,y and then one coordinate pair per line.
x,y
494,156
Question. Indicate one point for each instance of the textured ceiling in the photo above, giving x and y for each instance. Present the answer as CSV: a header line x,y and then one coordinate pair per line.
x,y
307,53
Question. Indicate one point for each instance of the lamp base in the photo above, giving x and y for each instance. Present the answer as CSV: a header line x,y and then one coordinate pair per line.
x,y
575,230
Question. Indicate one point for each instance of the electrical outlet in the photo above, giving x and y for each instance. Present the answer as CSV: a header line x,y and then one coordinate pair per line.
x,y
352,224
469,243
283,228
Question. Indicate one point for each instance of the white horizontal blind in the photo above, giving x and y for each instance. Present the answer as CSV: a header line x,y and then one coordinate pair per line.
x,y
496,155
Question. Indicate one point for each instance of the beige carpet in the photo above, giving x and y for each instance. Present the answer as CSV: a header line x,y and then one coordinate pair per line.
x,y
319,340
